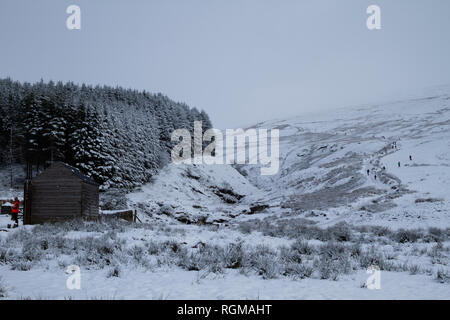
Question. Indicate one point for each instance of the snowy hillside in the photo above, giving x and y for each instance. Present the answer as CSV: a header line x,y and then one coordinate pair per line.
x,y
323,176
196,194
324,160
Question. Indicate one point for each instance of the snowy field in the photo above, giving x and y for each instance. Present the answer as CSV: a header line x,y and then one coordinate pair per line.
x,y
119,260
176,284
339,204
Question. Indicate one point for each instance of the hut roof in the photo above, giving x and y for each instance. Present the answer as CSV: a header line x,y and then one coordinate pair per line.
x,y
79,174
74,171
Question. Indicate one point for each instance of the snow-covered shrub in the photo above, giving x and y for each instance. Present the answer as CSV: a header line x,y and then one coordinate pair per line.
x,y
19,237
296,228
3,289
404,235
7,255
113,199
437,254
302,247
380,231
32,251
21,265
327,268
264,261
153,247
414,269
21,256
188,261
291,228
334,260
298,270
59,243
287,255
332,249
355,250
114,271
443,276
340,232
117,225
210,258
245,227
233,255
172,245
435,235
373,257
138,256
99,252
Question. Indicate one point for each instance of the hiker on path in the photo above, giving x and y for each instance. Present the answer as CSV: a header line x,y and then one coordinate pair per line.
x,y
410,157
399,164
368,171
15,212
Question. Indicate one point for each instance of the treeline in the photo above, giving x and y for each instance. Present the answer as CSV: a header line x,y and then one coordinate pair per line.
x,y
117,136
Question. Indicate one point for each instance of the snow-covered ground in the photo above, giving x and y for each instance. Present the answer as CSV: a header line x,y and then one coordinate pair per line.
x,y
41,284
335,167
41,273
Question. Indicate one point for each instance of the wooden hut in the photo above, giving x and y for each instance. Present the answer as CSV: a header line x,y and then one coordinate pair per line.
x,y
59,193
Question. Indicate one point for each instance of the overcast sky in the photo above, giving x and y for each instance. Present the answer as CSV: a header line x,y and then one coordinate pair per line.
x,y
240,60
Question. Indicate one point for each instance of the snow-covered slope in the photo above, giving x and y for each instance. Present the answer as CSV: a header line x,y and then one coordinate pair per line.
x,y
324,160
196,193
324,163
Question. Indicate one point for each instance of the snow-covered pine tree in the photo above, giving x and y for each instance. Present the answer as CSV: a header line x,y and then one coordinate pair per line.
x,y
119,137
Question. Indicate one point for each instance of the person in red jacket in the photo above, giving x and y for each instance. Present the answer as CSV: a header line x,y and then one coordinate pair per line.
x,y
15,211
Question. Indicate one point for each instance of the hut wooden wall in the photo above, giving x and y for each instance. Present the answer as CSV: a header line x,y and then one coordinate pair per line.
x,y
60,194
90,200
55,195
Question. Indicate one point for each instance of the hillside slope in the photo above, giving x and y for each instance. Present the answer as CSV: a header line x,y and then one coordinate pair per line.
x,y
325,158
196,194
324,163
